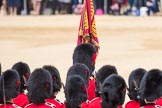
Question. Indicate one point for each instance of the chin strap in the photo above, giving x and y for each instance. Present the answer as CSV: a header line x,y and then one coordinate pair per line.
x,y
142,102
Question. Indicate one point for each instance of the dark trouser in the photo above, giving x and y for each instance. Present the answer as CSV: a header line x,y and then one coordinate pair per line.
x,y
99,4
21,7
56,6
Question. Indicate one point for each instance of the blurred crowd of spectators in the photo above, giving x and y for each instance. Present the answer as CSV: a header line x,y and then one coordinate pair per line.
x,y
51,7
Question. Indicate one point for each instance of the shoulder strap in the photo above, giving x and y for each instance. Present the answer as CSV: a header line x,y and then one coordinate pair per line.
x,y
50,104
158,106
16,106
93,100
58,101
28,105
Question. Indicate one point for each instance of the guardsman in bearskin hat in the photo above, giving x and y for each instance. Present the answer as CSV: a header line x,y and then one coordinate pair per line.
x,y
112,93
133,91
86,54
56,84
39,89
24,72
75,92
79,69
151,88
102,74
9,88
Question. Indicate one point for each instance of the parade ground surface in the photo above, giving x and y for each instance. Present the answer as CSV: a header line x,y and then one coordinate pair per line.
x,y
126,42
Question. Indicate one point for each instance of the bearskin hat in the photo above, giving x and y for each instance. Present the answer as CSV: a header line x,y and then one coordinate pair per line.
x,y
10,83
151,85
86,54
79,69
113,91
40,86
134,81
55,76
24,72
75,91
102,74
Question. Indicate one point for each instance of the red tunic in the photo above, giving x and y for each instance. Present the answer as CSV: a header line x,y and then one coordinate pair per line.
x,y
95,103
21,100
132,104
44,105
84,105
159,102
55,102
9,106
91,89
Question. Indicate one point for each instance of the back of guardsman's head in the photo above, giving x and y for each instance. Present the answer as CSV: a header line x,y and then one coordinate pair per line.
x,y
86,54
39,86
9,85
151,85
79,69
24,72
102,74
75,91
134,81
55,76
113,91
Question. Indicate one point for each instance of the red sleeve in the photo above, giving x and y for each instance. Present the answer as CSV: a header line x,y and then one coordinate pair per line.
x,y
91,89
63,106
159,102
132,104
43,105
7,106
95,103
21,100
55,102
84,105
